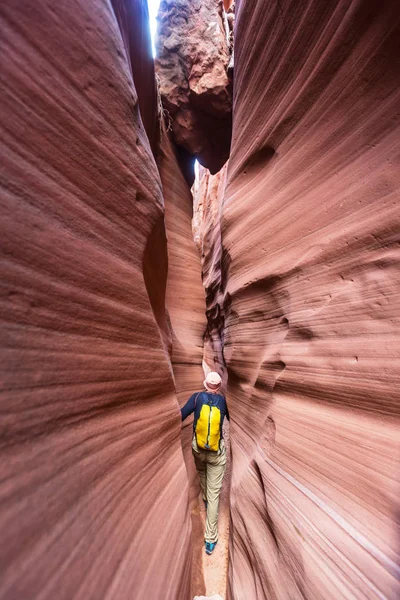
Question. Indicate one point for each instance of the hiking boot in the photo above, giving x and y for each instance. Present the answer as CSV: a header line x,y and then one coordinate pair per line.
x,y
210,547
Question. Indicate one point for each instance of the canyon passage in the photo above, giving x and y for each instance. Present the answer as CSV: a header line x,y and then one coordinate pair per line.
x,y
231,204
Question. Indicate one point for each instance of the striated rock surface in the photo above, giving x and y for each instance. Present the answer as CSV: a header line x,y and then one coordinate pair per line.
x,y
310,224
94,492
192,61
208,192
300,243
133,21
185,300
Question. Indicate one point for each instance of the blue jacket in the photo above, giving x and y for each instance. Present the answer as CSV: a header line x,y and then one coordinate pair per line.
x,y
197,400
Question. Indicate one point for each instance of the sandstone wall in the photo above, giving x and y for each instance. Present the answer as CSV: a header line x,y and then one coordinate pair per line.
x,y
208,193
185,293
311,227
133,20
301,269
94,493
186,309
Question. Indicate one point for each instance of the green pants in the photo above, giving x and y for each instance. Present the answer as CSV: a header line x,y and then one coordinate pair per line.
x,y
211,468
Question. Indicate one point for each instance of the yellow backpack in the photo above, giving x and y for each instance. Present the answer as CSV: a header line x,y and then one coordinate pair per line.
x,y
208,425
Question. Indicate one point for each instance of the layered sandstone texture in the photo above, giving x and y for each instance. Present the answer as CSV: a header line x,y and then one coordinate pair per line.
x,y
185,298
185,301
192,66
132,17
208,191
310,229
94,492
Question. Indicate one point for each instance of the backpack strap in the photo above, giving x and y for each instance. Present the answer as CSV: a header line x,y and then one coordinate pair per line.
x,y
194,421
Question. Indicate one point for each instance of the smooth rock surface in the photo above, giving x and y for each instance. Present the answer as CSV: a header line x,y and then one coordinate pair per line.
x,y
133,20
185,297
310,224
94,490
192,62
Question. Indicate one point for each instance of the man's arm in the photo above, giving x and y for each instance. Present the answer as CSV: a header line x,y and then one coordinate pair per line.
x,y
189,407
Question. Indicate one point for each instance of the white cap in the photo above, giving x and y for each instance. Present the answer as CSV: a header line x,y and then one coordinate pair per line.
x,y
213,382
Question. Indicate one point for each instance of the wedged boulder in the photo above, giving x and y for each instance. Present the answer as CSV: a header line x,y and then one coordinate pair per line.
x,y
192,63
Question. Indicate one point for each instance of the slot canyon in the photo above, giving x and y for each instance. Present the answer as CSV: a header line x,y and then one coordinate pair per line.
x,y
229,202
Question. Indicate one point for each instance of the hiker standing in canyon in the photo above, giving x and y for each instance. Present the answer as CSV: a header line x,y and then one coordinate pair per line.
x,y
208,448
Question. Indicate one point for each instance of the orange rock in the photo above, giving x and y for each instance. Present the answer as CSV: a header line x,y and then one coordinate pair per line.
x,y
192,67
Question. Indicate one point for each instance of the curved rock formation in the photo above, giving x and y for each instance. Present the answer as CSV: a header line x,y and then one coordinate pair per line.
x,y
311,225
102,307
185,302
133,21
185,294
94,493
185,298
208,194
192,63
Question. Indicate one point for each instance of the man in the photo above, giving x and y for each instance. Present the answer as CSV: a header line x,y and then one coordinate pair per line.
x,y
208,448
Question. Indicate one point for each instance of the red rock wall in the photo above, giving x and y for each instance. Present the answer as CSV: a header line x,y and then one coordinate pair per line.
x,y
186,308
133,21
185,293
94,494
311,227
303,292
208,192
